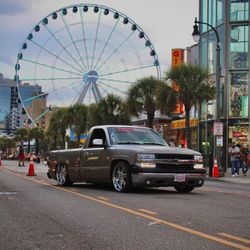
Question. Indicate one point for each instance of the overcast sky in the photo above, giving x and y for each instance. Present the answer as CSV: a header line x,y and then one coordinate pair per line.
x,y
168,23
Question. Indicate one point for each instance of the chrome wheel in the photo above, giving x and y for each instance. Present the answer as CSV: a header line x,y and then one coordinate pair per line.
x,y
62,175
121,177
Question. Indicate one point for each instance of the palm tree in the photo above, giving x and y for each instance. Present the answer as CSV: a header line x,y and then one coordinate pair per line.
x,y
149,95
113,110
21,135
58,125
6,144
79,113
110,110
93,117
37,133
194,87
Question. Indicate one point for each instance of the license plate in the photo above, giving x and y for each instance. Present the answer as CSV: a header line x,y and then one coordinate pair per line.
x,y
180,178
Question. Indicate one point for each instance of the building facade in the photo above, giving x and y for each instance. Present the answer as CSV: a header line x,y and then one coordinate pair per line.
x,y
12,114
232,21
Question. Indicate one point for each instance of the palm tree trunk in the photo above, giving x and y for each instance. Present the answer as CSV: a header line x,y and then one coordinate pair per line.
x,y
188,132
37,147
28,145
151,117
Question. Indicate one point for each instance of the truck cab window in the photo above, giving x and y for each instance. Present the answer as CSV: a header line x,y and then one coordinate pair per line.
x,y
97,134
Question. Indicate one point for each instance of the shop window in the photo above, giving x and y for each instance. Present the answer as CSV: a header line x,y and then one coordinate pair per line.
x,y
238,101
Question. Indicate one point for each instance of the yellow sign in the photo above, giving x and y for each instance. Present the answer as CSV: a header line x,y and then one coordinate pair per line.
x,y
177,56
179,124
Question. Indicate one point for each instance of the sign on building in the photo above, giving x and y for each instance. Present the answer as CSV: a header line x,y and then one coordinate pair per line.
x,y
218,128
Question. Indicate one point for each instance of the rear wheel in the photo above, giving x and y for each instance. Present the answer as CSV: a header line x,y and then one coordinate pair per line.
x,y
121,177
184,189
62,176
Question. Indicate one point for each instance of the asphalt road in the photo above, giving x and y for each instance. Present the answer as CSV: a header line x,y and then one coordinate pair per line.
x,y
35,213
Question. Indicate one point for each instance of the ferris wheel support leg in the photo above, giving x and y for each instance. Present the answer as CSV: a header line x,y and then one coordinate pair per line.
x,y
83,93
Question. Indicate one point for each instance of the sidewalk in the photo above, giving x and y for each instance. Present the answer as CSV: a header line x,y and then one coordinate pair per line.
x,y
13,165
228,177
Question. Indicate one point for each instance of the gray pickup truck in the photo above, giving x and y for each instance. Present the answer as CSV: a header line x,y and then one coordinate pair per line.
x,y
127,157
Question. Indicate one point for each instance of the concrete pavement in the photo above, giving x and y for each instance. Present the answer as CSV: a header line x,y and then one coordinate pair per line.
x,y
237,179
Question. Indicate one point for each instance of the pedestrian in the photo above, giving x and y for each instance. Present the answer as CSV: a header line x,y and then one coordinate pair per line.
x,y
242,156
234,152
246,161
21,157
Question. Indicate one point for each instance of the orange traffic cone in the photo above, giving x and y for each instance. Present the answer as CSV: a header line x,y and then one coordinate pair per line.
x,y
31,171
215,169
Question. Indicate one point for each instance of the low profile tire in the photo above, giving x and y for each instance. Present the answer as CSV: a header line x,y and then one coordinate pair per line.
x,y
121,177
184,189
62,176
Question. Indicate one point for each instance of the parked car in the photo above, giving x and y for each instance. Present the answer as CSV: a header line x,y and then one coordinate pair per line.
x,y
127,157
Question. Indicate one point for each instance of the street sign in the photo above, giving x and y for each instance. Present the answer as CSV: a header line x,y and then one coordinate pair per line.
x,y
218,128
219,141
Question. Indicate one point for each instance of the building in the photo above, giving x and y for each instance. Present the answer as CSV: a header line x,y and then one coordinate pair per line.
x,y
8,98
12,114
231,21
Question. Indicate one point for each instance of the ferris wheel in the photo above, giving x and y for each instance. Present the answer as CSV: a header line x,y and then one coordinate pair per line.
x,y
81,53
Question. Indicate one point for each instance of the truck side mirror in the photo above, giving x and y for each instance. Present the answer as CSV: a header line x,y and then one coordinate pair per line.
x,y
97,142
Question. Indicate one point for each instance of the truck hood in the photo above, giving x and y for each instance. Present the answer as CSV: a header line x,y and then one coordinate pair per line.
x,y
155,149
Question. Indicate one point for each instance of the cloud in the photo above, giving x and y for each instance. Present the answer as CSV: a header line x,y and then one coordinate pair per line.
x,y
13,7
6,59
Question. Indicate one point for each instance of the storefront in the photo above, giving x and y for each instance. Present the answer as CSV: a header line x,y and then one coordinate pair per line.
x,y
179,130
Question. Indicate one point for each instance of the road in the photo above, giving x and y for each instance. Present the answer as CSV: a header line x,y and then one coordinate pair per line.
x,y
35,213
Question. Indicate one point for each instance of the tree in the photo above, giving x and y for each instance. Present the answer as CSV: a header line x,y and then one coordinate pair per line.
x,y
6,143
149,95
21,135
110,110
37,133
113,110
58,124
79,114
194,87
93,117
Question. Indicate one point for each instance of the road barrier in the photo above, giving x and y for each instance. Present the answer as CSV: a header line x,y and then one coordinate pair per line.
x,y
31,171
215,169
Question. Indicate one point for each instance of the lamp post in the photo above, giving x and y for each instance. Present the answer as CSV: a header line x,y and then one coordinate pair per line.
x,y
196,37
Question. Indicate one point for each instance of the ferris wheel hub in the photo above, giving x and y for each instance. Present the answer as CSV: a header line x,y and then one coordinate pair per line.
x,y
91,77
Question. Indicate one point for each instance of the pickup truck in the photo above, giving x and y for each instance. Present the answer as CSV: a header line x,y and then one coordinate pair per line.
x,y
127,157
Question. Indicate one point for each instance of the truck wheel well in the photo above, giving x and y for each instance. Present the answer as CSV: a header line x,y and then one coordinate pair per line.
x,y
114,162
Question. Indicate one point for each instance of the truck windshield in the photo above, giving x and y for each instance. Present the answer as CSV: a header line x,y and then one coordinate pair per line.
x,y
130,135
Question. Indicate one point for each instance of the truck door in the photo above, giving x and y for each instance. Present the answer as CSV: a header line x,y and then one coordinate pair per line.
x,y
94,159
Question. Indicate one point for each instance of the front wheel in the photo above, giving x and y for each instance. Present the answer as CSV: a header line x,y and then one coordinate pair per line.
x,y
121,177
62,176
184,189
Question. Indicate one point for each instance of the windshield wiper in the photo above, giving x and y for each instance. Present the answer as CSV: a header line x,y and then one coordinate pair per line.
x,y
153,143
129,142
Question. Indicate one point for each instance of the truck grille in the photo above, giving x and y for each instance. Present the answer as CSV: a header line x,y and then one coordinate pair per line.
x,y
174,162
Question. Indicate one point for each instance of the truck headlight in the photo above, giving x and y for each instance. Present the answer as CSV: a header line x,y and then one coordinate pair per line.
x,y
198,162
145,160
198,159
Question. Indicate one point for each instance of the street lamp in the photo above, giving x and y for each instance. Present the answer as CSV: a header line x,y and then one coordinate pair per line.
x,y
196,37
